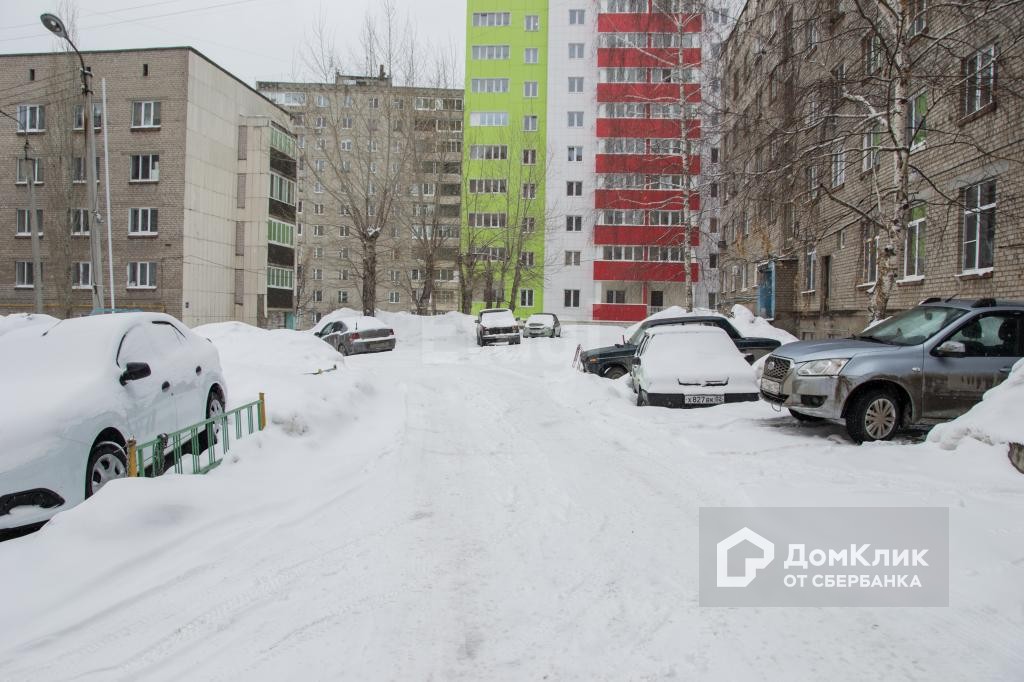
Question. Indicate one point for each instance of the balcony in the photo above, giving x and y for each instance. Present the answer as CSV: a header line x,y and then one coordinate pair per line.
x,y
619,312
643,271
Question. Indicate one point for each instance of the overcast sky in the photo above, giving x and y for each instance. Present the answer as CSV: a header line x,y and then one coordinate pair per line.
x,y
254,39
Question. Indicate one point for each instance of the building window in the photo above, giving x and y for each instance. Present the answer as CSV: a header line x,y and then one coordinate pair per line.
x,y
920,21
78,169
489,85
571,298
530,88
839,166
577,17
531,124
979,226
23,275
488,186
575,153
146,114
79,221
145,168
142,275
870,257
394,297
78,117
575,119
318,275
917,109
810,264
615,296
631,253
81,275
573,223
489,52
343,296
481,19
142,221
576,50
25,167
529,157
914,248
531,23
526,298
529,190
871,142
488,119
319,231
574,188
572,258
22,229
979,80
531,55
31,118
280,278
318,296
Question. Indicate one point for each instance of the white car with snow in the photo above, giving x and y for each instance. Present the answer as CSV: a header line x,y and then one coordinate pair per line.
x,y
496,324
542,324
690,366
78,389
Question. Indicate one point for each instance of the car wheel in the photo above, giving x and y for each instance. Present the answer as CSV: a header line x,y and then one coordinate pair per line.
x,y
107,461
809,418
614,372
873,415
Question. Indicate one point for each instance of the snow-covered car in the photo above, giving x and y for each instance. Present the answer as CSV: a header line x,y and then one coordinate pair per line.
x,y
542,324
690,366
360,334
496,324
76,391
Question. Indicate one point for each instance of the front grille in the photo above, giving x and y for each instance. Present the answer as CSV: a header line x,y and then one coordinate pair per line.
x,y
776,368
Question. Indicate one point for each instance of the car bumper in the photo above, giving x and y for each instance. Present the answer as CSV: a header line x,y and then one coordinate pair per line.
x,y
509,336
32,492
678,400
373,345
531,333
815,396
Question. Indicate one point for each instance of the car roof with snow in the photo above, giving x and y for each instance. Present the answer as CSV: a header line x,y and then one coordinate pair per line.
x,y
359,322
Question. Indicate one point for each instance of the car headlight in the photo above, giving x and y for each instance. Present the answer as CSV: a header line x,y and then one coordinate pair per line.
x,y
822,368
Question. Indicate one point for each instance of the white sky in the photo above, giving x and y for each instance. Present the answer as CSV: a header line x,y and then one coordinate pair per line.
x,y
253,39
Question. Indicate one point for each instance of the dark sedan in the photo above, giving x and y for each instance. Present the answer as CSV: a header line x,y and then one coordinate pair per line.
x,y
354,335
613,362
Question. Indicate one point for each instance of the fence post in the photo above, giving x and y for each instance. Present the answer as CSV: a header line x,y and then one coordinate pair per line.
x,y
133,463
263,411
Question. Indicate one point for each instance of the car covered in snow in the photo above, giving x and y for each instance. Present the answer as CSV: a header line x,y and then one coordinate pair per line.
x,y
358,334
923,366
494,325
690,366
613,362
77,390
542,324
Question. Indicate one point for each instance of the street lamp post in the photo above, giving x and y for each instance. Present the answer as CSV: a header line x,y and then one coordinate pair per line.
x,y
56,26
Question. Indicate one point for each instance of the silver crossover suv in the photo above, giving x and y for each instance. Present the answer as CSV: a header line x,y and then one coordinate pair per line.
x,y
922,366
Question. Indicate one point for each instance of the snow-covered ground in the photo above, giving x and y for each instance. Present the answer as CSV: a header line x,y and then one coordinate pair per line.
x,y
449,512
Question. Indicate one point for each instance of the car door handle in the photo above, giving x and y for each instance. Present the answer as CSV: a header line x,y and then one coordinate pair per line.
x,y
165,386
199,370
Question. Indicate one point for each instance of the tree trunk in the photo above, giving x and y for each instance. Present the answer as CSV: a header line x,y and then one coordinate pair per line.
x,y
368,290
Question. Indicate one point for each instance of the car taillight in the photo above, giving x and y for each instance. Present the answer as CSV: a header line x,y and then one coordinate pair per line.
x,y
355,336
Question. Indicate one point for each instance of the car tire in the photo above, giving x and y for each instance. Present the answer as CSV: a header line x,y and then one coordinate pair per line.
x,y
614,372
873,415
809,418
107,461
214,407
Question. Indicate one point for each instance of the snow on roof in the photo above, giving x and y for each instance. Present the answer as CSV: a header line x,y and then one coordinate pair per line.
x,y
17,321
745,322
995,420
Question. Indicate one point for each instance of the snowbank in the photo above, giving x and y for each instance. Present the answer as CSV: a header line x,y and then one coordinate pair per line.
x,y
746,322
9,323
995,420
451,327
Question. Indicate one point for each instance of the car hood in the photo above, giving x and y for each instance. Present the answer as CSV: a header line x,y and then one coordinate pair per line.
x,y
762,341
609,351
824,349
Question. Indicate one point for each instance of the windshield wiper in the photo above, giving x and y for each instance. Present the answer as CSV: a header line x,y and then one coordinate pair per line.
x,y
866,337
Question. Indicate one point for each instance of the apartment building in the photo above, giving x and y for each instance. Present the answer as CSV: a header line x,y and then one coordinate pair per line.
x,y
201,186
814,179
594,109
380,166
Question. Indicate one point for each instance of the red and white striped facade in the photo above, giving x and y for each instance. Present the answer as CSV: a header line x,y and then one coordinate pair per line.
x,y
641,90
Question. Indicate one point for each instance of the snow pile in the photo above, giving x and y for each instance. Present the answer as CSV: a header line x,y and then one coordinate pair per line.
x,y
9,323
995,420
448,329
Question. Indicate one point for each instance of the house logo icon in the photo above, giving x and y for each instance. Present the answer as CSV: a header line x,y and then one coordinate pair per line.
x,y
751,565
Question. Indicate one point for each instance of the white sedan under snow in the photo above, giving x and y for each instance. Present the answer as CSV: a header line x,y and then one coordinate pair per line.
x,y
690,366
76,390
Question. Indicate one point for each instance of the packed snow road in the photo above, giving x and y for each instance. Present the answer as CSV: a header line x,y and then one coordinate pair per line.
x,y
447,512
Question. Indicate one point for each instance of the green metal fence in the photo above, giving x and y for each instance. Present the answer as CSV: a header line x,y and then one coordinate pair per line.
x,y
197,444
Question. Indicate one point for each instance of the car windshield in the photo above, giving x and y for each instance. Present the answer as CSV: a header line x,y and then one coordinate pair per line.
x,y
541,318
498,318
912,327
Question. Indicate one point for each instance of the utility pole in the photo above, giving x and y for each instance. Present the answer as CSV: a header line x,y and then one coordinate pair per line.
x,y
56,26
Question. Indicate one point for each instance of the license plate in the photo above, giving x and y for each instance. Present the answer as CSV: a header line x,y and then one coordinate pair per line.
x,y
769,386
703,399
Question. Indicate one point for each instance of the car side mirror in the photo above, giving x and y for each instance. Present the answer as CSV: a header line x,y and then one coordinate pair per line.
x,y
636,361
134,371
951,349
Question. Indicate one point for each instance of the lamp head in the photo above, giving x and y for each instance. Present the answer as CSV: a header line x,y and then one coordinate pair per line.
x,y
54,25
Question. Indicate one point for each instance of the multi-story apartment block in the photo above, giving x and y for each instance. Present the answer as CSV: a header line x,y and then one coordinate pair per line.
x,y
201,186
379,207
852,137
598,106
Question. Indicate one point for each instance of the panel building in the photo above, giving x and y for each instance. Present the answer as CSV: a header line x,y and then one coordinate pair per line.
x,y
589,116
201,184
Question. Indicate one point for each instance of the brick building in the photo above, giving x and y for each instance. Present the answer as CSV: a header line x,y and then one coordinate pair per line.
x,y
375,156
202,187
810,180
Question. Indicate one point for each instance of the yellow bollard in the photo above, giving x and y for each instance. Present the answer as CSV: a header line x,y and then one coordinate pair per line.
x,y
133,464
263,411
